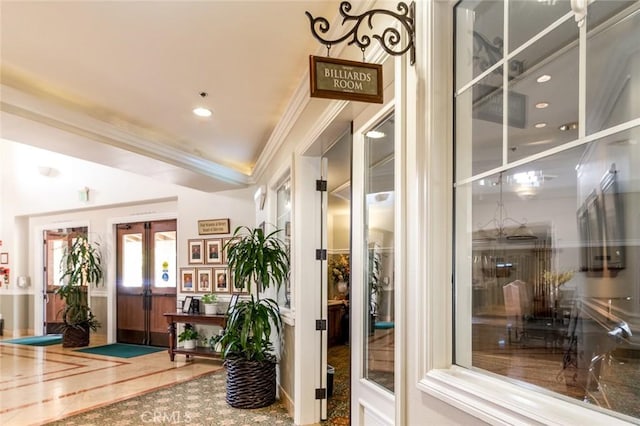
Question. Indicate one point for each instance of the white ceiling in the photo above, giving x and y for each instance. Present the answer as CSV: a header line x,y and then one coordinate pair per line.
x,y
115,82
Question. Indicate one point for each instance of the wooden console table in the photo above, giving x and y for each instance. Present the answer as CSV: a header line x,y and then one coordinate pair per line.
x,y
178,317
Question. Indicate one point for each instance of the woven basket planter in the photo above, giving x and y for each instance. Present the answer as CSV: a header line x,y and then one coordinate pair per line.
x,y
250,384
75,337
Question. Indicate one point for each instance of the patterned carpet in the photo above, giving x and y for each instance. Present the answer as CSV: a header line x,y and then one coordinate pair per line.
x,y
202,402
196,402
338,405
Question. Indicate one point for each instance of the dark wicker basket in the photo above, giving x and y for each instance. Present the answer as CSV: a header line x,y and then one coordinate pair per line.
x,y
250,384
75,337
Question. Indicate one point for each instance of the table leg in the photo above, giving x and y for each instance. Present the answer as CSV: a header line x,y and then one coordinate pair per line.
x,y
172,340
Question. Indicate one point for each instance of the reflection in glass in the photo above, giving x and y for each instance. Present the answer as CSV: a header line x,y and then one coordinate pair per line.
x,y
283,200
557,311
479,30
164,259
536,112
527,18
379,222
479,126
613,72
132,260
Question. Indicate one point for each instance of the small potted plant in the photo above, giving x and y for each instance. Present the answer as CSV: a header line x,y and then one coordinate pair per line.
x,y
210,302
189,336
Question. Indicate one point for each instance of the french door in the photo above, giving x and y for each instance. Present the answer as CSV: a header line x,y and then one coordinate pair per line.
x,y
146,281
55,243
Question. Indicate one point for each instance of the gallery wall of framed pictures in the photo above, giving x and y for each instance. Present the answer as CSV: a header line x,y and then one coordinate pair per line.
x,y
208,271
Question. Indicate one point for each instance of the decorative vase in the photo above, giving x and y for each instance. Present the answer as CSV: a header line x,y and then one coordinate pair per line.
x,y
342,287
210,308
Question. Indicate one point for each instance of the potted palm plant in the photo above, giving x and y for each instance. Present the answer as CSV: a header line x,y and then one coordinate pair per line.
x,y
81,265
263,260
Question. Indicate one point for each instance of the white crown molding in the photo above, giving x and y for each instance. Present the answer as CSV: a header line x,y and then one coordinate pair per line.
x,y
62,114
301,98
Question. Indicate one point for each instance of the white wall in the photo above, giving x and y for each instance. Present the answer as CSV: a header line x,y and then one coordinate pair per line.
x,y
38,202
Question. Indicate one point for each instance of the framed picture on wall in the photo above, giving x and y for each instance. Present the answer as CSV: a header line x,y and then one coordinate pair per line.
x,y
204,280
226,243
213,250
187,279
221,277
196,250
239,290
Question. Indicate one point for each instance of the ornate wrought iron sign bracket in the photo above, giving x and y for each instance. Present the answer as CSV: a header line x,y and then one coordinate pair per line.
x,y
390,39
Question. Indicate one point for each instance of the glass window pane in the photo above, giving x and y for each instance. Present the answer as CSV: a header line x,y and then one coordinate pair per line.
x,y
548,273
132,260
479,38
283,200
164,259
613,72
537,115
479,127
527,18
379,257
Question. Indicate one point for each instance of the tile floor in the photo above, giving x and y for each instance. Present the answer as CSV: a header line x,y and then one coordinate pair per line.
x,y
43,384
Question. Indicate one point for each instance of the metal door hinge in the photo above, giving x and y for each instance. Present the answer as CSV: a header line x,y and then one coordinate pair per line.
x,y
321,185
321,324
321,254
321,393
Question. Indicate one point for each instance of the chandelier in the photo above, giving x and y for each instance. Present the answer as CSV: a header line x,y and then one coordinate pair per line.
x,y
502,226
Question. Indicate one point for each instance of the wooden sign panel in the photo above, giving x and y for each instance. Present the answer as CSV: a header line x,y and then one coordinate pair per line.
x,y
333,78
213,226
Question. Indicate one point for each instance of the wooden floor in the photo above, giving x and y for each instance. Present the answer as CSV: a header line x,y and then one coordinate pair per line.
x,y
42,384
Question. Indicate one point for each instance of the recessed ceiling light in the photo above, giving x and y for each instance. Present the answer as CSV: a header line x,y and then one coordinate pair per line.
x,y
540,125
375,134
542,105
202,112
543,78
568,126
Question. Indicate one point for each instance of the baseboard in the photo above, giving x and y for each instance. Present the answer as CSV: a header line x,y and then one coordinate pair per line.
x,y
286,400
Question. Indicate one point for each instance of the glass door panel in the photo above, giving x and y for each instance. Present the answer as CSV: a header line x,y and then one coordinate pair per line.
x,y
379,224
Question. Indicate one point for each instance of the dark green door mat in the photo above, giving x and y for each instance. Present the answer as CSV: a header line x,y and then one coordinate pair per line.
x,y
49,339
121,350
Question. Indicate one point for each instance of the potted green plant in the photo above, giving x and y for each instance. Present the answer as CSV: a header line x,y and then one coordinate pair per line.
x,y
189,336
81,265
263,260
210,302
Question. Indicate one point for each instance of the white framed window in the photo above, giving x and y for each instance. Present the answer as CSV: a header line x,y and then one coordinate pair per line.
x,y
546,149
283,223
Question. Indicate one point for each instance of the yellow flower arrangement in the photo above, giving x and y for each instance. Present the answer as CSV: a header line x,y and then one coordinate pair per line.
x,y
339,268
556,278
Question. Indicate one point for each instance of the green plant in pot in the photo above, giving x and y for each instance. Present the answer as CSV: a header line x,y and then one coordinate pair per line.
x,y
189,336
261,259
210,302
81,265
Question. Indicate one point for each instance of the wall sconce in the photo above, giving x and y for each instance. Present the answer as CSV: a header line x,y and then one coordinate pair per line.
x,y
83,194
260,196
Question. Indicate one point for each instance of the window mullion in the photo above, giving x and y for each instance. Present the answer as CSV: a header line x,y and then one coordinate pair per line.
x,y
505,87
582,81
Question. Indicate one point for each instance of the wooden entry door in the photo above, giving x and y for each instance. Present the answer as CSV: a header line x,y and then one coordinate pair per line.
x,y
146,281
56,242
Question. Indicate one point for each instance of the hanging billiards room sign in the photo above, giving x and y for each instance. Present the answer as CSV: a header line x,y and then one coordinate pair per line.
x,y
333,78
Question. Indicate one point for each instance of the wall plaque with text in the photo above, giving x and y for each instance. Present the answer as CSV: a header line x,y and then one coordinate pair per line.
x,y
213,226
333,78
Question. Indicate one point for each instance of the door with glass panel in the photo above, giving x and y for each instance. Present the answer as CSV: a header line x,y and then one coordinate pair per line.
x,y
373,290
55,243
146,281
